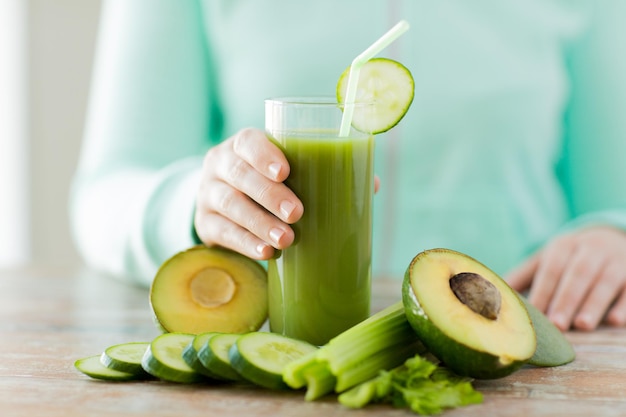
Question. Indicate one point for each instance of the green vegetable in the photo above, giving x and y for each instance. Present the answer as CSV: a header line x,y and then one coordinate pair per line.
x,y
383,341
93,367
191,352
214,356
386,83
418,384
125,357
319,380
260,357
164,359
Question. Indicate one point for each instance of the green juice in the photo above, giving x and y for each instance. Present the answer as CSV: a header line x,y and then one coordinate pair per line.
x,y
320,286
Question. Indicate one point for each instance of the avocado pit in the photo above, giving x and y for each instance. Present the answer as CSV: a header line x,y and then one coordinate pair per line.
x,y
480,295
212,287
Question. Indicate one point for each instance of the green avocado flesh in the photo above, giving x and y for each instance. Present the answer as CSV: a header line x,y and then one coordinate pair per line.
x,y
474,343
206,289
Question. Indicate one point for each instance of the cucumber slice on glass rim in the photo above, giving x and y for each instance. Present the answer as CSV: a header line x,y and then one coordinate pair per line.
x,y
387,84
261,357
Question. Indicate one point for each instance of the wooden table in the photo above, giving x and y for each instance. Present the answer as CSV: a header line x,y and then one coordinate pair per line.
x,y
51,317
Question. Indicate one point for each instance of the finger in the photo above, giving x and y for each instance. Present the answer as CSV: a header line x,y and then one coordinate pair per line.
x,y
376,184
582,270
552,261
215,230
275,197
617,314
253,146
521,277
238,208
606,289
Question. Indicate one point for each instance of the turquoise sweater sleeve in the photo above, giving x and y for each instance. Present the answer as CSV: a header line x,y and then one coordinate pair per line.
x,y
594,164
516,131
150,121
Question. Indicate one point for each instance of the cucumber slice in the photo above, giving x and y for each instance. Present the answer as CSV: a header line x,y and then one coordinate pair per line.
x,y
386,83
164,359
92,367
125,357
214,356
261,357
190,353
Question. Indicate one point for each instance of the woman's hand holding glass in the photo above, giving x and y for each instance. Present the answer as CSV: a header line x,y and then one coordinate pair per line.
x,y
242,203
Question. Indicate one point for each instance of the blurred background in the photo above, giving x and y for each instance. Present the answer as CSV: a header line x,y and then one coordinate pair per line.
x,y
46,51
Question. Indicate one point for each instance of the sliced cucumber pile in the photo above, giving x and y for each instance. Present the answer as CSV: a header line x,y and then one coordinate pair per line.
x,y
259,358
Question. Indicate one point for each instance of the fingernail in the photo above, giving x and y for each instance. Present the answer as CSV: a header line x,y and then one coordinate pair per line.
x,y
584,321
274,169
286,208
276,234
261,248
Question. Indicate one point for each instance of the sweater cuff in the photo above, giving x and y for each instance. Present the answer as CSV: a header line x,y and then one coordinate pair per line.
x,y
167,226
615,218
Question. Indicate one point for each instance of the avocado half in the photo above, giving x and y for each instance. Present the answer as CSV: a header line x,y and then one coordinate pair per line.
x,y
206,289
466,315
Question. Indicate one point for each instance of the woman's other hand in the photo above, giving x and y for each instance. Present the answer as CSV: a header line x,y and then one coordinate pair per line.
x,y
579,279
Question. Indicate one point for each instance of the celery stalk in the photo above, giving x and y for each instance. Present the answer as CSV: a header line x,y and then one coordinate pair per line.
x,y
360,395
360,334
394,355
378,360
387,328
319,381
293,373
394,335
381,342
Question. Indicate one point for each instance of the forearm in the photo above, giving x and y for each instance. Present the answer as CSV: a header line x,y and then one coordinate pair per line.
x,y
127,222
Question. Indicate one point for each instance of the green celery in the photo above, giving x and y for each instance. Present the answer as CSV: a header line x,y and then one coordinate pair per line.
x,y
319,380
397,333
381,342
394,355
293,373
418,384
387,328
360,334
360,395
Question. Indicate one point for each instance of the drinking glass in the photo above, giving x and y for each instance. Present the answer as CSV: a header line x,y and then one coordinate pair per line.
x,y
321,285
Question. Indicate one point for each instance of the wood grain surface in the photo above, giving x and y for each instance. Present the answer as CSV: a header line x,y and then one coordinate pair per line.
x,y
51,317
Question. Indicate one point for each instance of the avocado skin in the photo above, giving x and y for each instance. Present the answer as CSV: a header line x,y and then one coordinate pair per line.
x,y
457,357
553,349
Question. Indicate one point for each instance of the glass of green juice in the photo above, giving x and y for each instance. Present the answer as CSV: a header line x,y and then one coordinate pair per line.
x,y
321,285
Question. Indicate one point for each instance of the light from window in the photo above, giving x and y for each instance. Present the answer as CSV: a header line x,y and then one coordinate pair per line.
x,y
14,182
